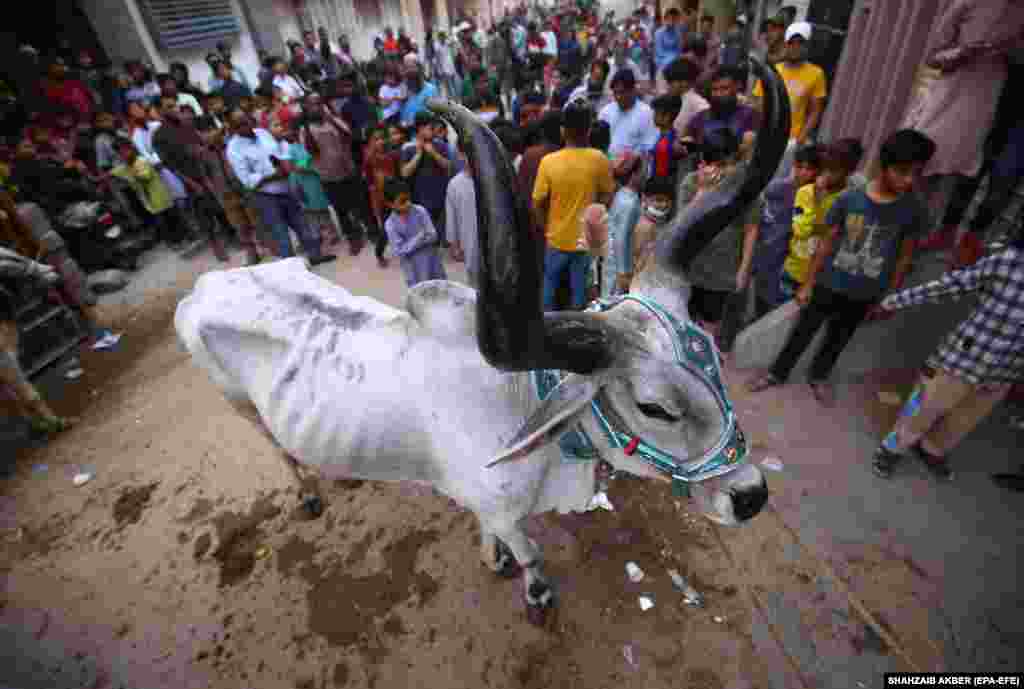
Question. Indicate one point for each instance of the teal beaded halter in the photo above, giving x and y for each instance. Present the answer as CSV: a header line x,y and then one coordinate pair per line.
x,y
695,351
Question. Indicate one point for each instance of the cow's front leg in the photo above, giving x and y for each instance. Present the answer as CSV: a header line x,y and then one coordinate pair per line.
x,y
497,556
540,597
310,500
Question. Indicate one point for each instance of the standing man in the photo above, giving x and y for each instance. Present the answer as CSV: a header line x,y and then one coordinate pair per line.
x,y
668,44
427,165
724,112
181,150
262,165
969,47
630,119
805,84
567,182
419,91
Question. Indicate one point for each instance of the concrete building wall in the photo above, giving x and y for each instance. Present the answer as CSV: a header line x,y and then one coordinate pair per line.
x,y
125,35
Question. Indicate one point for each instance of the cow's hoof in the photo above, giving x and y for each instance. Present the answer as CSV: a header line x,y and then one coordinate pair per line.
x,y
542,614
505,564
313,506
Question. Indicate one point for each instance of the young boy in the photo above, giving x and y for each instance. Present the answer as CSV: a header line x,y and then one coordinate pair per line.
x,y
379,165
776,228
867,250
144,180
812,204
427,164
412,235
655,211
665,156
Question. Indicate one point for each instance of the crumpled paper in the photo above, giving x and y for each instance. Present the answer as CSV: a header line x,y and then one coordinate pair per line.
x,y
600,501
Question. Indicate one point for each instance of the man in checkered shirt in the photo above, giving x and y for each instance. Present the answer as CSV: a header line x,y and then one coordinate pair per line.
x,y
973,369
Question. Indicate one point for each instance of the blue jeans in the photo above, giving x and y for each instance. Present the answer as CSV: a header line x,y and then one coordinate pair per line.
x,y
281,211
557,262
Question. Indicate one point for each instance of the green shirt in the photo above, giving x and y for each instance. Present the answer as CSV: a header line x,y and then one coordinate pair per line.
x,y
146,181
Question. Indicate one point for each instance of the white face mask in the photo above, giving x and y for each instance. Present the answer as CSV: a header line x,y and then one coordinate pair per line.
x,y
655,213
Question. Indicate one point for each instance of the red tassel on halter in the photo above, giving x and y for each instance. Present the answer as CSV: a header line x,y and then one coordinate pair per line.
x,y
631,447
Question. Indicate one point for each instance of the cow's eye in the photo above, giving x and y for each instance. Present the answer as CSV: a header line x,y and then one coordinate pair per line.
x,y
656,411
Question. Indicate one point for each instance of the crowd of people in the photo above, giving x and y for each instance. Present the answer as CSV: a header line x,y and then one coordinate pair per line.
x,y
613,128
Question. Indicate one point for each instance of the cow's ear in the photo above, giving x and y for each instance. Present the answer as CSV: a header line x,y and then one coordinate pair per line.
x,y
551,417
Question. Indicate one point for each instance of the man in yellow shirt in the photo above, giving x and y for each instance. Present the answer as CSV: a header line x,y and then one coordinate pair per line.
x,y
813,202
568,181
804,81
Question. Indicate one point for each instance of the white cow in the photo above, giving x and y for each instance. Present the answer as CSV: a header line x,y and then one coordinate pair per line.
x,y
443,391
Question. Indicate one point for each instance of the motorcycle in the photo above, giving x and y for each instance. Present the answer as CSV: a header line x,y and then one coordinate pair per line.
x,y
97,239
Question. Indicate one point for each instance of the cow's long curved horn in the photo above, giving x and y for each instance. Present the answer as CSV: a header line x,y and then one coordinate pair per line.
x,y
513,332
695,226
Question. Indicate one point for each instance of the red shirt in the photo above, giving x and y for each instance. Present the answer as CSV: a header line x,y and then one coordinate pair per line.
x,y
72,94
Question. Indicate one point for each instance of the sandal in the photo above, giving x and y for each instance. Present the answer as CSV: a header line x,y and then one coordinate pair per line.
x,y
883,462
763,382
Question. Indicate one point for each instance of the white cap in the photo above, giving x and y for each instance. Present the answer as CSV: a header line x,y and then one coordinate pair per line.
x,y
802,29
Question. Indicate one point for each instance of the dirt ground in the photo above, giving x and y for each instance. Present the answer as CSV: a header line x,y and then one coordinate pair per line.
x,y
185,563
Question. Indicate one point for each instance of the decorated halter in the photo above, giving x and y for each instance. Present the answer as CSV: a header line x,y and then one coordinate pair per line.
x,y
695,351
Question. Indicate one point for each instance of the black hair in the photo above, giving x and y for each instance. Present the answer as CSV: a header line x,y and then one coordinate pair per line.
x,y
577,117
661,186
510,136
625,78
205,123
683,69
719,144
696,45
906,147
550,127
707,18
121,141
667,104
601,136
673,11
844,154
395,187
808,155
164,77
728,72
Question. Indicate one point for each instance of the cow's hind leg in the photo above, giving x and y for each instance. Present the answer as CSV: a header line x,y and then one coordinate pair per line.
x,y
309,493
540,597
497,556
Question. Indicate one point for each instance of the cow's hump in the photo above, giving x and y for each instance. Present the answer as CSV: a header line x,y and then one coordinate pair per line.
x,y
446,310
